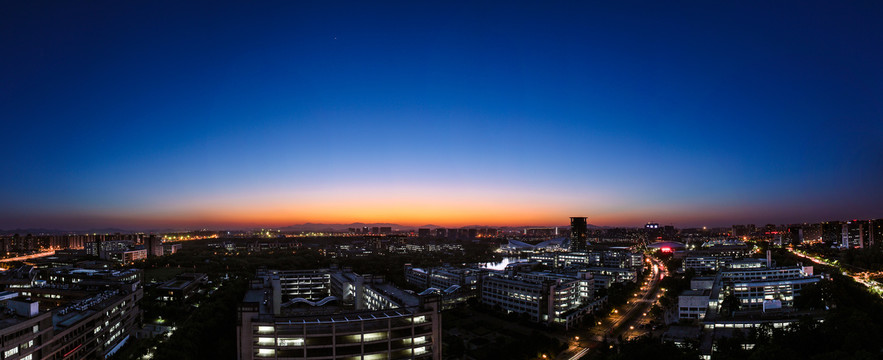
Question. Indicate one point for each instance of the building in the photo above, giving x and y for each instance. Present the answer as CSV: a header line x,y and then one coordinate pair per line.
x,y
622,258
335,314
71,318
832,232
555,299
169,249
693,304
579,234
706,263
454,285
181,287
754,286
856,234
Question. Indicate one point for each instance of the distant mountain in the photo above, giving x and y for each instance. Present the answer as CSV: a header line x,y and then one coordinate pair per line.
x,y
340,227
106,231
33,231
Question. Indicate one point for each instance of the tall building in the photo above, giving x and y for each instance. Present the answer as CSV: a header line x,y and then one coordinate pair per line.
x,y
855,233
832,232
794,234
579,234
153,245
875,231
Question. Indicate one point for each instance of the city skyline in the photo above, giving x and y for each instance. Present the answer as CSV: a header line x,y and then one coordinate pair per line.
x,y
276,114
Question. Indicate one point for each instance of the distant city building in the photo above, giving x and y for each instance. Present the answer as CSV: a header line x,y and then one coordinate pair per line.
x,y
169,249
153,245
832,232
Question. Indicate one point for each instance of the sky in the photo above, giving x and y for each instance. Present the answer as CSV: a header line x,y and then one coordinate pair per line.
x,y
235,114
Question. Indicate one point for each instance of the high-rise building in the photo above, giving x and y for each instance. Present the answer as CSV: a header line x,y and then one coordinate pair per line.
x,y
153,245
875,231
855,233
832,232
579,234
794,234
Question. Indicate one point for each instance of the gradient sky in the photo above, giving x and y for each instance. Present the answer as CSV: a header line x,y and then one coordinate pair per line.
x,y
218,114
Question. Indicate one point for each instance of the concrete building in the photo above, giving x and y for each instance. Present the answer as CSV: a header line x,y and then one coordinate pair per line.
x,y
181,287
554,299
335,314
69,319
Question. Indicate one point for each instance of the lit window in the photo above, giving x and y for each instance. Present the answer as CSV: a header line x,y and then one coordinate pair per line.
x,y
265,329
266,341
291,342
266,352
374,336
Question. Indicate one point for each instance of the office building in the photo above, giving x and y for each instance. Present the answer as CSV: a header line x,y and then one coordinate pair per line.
x,y
554,299
74,317
335,314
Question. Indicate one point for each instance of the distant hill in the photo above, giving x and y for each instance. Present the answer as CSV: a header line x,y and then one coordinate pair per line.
x,y
340,227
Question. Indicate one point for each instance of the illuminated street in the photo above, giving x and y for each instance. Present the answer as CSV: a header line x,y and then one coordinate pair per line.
x,y
26,257
863,278
625,322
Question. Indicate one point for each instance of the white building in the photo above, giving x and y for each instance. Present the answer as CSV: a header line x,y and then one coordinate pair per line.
x,y
543,297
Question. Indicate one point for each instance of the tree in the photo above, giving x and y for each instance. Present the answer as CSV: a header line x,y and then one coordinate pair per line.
x,y
730,304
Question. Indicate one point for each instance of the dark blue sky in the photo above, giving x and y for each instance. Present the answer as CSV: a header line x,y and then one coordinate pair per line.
x,y
220,114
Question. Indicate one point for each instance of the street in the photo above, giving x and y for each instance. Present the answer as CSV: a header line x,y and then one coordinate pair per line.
x,y
624,320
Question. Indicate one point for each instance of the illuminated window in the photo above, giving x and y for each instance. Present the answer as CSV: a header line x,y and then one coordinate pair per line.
x,y
291,342
265,329
374,336
10,352
266,352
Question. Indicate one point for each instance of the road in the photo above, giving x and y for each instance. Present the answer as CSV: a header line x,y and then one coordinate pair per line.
x,y
624,320
25,257
864,277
